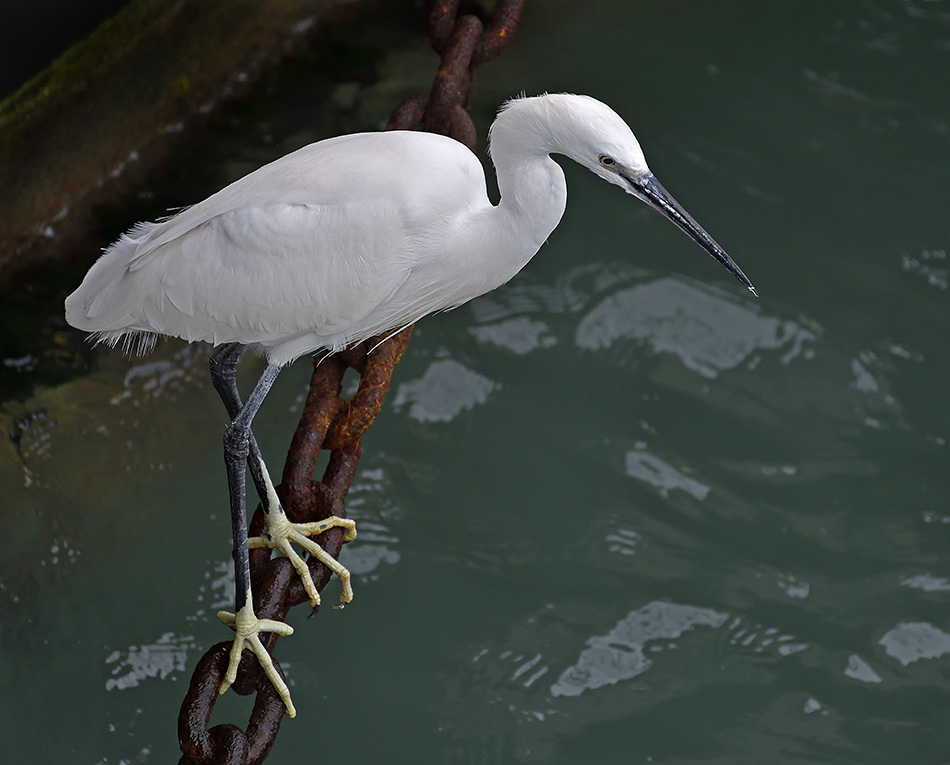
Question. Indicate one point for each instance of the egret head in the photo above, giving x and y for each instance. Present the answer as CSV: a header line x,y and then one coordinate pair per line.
x,y
595,136
578,127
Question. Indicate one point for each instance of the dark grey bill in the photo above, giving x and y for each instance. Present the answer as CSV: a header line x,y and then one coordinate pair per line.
x,y
646,187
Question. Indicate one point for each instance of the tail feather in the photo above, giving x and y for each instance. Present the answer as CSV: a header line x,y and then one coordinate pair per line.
x,y
103,303
134,342
104,306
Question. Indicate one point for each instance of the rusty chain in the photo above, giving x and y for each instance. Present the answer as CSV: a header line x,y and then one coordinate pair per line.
x,y
330,422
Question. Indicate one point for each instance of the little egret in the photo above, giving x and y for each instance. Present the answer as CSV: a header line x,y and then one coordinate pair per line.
x,y
338,242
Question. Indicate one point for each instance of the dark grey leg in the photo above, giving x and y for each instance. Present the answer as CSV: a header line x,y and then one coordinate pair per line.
x,y
223,370
237,439
240,450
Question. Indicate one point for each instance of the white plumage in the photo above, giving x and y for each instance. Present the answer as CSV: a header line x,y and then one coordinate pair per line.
x,y
352,236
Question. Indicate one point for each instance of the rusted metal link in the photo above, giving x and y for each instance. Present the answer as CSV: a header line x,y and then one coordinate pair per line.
x,y
226,743
499,33
374,381
441,23
330,422
451,90
462,44
408,114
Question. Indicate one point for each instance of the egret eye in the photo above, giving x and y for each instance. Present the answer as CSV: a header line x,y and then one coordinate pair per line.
x,y
607,161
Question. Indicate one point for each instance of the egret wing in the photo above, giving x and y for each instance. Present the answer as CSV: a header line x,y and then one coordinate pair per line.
x,y
308,250
264,275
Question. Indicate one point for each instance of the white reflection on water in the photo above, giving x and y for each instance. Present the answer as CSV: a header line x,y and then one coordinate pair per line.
x,y
859,669
623,541
527,666
619,654
911,641
218,589
519,335
164,378
793,586
935,276
863,379
554,675
166,655
370,503
758,637
21,364
650,469
927,583
705,327
369,550
445,390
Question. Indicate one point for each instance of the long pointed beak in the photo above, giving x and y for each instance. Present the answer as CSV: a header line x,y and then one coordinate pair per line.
x,y
647,188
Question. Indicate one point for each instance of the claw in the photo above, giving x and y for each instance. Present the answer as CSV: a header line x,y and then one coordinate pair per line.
x,y
246,627
281,533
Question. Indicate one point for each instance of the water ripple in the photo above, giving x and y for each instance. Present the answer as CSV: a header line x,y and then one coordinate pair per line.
x,y
705,327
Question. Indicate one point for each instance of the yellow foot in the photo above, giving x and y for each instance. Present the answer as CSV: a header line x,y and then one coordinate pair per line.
x,y
281,532
247,626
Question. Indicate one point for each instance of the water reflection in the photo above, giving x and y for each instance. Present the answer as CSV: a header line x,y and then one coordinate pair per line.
x,y
162,378
654,471
445,390
620,654
929,265
859,669
927,583
167,655
519,335
708,329
793,586
371,504
909,642
655,655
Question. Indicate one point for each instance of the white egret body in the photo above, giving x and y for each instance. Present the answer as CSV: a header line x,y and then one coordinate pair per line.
x,y
352,236
341,241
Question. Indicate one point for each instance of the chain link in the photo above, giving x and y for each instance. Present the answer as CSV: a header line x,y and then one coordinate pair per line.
x,y
331,422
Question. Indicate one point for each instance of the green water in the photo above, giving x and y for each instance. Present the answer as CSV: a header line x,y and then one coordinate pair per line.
x,y
617,511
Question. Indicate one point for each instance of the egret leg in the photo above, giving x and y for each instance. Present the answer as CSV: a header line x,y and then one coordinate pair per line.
x,y
223,370
280,531
246,625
